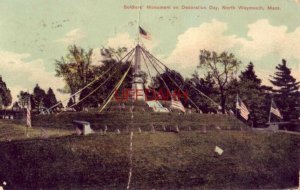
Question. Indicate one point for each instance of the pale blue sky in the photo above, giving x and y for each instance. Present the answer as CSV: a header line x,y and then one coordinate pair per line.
x,y
33,33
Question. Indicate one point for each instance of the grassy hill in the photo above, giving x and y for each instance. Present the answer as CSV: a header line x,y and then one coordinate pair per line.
x,y
160,160
11,130
121,120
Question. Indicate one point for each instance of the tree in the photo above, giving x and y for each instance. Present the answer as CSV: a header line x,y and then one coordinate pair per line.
x,y
205,85
286,92
115,54
5,95
39,96
23,98
169,78
111,62
50,99
222,68
250,90
75,68
16,106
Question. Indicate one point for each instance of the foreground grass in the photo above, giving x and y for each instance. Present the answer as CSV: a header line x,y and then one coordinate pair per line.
x,y
10,131
160,160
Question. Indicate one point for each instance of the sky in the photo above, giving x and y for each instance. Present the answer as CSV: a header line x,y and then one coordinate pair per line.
x,y
33,33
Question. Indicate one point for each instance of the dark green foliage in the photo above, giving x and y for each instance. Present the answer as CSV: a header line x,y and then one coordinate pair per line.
x,y
205,85
222,67
5,95
75,68
77,71
169,79
39,96
23,99
50,99
70,102
286,91
252,93
39,99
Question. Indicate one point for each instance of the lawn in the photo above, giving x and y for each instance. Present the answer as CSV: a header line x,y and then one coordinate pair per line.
x,y
160,160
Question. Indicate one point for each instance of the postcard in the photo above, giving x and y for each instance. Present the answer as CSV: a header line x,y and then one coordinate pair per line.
x,y
149,94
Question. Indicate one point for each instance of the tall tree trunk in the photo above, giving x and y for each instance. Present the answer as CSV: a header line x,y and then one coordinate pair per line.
x,y
223,100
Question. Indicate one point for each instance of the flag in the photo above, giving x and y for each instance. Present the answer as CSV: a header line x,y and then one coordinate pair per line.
x,y
176,104
145,34
242,107
219,150
274,109
28,115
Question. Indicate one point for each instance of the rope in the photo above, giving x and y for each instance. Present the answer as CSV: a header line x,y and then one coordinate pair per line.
x,y
157,72
92,82
146,53
176,84
116,88
185,82
98,87
147,67
92,92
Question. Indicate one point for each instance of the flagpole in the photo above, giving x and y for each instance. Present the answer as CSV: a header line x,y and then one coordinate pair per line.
x,y
236,112
237,99
139,19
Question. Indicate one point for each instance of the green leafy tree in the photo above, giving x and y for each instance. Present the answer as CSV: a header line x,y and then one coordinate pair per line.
x,y
286,91
222,67
111,62
75,68
5,95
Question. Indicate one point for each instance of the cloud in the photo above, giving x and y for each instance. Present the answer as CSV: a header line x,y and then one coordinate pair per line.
x,y
266,39
72,37
295,73
121,40
125,40
263,41
209,36
20,74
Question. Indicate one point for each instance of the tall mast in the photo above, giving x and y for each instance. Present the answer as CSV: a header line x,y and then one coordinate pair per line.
x,y
139,19
138,82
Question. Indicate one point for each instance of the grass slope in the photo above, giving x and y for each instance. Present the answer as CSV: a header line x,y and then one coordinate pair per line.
x,y
143,120
160,160
11,130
